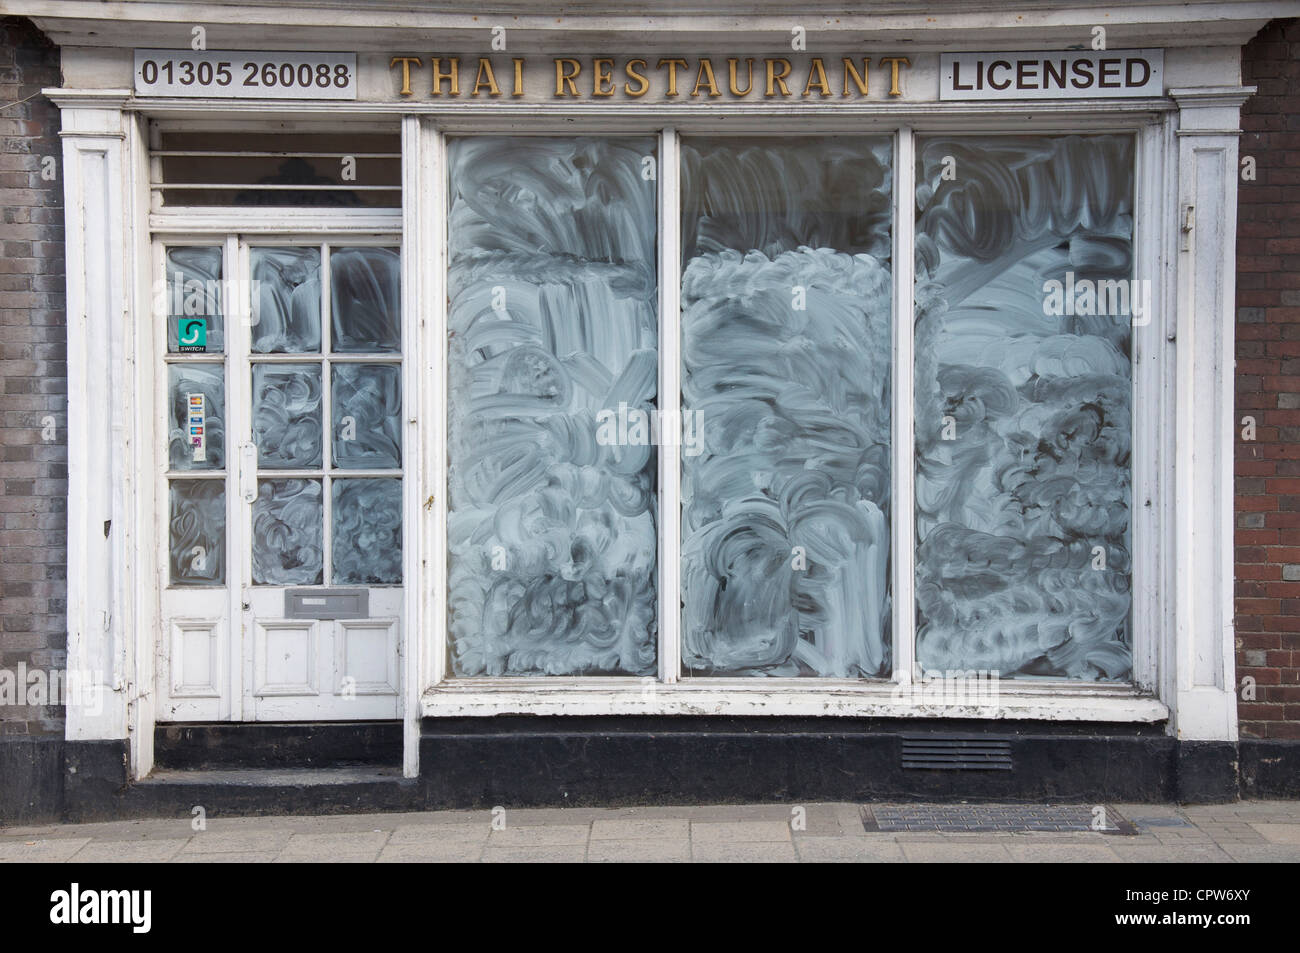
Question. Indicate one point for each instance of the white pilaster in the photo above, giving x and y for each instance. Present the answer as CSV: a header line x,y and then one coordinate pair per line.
x,y
1204,703
101,517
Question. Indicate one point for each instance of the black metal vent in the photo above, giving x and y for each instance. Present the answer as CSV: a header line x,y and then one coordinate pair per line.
x,y
955,753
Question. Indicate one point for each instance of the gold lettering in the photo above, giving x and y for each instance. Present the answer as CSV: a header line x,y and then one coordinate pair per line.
x,y
453,75
406,62
490,83
518,89
893,62
749,81
705,70
672,73
817,69
859,81
603,77
564,78
639,77
775,79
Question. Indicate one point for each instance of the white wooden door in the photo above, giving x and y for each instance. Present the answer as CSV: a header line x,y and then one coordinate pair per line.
x,y
283,469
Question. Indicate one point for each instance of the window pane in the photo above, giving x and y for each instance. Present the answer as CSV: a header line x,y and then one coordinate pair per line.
x,y
287,415
786,343
196,402
288,531
367,402
366,307
286,299
367,540
197,538
553,329
194,300
1023,421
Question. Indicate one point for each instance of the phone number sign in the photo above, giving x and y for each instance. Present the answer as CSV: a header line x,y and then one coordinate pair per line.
x,y
230,74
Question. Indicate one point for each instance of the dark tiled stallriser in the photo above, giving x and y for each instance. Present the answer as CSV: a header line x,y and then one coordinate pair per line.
x,y
604,762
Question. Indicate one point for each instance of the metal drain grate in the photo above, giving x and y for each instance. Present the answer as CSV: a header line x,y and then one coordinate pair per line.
x,y
955,753
994,818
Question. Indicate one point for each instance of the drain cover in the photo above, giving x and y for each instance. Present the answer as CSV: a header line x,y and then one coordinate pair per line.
x,y
994,818
1160,822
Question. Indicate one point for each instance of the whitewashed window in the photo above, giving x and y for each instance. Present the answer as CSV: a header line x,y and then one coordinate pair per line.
x,y
1010,446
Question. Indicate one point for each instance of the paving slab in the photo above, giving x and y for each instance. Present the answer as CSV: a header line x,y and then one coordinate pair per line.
x,y
641,829
229,857
752,852
848,850
457,852
540,835
344,846
1288,834
1062,854
44,850
545,854
640,851
956,853
128,852
704,832
222,842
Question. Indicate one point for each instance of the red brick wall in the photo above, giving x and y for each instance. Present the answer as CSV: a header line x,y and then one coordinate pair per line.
x,y
33,372
1268,387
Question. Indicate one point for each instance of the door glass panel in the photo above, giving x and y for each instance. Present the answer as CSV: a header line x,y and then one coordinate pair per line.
x,y
366,404
1024,308
786,349
196,400
288,548
287,415
197,533
365,285
553,331
195,300
286,298
367,537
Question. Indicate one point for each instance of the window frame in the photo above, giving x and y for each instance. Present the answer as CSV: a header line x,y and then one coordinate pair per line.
x,y
1151,124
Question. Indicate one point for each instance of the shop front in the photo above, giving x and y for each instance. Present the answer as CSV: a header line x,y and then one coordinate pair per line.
x,y
623,407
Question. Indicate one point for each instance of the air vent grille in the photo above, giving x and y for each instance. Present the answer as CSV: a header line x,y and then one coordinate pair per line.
x,y
955,753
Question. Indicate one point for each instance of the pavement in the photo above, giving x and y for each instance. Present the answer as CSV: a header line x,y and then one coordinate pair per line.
x,y
1246,831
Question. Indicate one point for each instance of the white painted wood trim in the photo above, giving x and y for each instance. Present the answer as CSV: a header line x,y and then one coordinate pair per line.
x,y
670,404
285,222
1205,702
902,507
139,321
839,699
434,184
95,179
416,541
516,118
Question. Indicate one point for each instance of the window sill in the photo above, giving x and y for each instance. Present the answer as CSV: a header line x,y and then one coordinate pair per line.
x,y
1045,701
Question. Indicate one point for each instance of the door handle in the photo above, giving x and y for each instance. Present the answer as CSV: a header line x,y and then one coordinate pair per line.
x,y
248,472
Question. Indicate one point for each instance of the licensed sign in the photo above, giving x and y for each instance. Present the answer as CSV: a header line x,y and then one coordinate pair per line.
x,y
230,74
1059,74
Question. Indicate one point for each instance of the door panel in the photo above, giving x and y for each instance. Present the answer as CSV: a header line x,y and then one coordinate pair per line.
x,y
283,464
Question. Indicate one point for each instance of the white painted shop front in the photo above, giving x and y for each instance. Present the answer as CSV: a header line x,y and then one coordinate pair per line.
x,y
389,613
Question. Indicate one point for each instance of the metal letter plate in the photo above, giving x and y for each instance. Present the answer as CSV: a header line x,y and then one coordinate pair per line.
x,y
327,603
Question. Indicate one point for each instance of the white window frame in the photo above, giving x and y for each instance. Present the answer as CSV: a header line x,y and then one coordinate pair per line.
x,y
670,693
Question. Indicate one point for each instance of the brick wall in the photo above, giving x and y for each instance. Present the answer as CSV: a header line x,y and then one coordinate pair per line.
x,y
1268,387
33,372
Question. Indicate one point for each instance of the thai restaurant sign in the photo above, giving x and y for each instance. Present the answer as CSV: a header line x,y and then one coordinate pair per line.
x,y
1060,74
798,77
